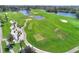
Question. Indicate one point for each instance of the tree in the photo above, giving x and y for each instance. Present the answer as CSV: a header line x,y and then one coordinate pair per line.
x,y
6,49
77,14
10,39
21,42
27,49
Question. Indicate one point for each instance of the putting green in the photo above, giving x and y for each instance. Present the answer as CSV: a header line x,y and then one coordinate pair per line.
x,y
57,36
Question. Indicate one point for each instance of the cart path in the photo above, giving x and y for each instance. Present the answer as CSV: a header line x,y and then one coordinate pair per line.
x,y
73,50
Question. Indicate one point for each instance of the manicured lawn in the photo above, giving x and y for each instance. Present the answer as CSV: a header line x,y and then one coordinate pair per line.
x,y
57,36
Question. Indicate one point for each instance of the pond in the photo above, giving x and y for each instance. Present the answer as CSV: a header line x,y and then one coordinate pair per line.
x,y
39,17
67,14
25,12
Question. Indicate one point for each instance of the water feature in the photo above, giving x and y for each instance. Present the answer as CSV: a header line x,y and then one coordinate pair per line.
x,y
39,17
67,14
25,12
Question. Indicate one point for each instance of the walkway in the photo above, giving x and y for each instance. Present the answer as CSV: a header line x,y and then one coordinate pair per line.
x,y
73,50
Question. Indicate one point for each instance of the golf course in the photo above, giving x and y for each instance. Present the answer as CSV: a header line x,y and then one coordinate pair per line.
x,y
46,31
53,33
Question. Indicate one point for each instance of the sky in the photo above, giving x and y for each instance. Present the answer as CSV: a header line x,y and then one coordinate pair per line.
x,y
39,2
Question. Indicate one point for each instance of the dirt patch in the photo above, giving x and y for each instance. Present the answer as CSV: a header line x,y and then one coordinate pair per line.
x,y
39,37
60,34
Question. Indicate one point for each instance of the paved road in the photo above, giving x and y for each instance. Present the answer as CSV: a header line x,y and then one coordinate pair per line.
x,y
0,39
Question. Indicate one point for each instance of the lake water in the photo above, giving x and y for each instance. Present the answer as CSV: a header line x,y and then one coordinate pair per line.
x,y
66,14
38,17
25,12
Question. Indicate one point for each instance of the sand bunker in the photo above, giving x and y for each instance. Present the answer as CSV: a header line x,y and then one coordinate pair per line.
x,y
29,19
63,20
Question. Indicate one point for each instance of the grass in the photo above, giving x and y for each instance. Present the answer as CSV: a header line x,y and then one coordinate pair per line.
x,y
52,42
4,46
23,44
16,47
63,39
18,17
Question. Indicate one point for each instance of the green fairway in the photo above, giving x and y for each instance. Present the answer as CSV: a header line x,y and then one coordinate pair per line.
x,y
51,33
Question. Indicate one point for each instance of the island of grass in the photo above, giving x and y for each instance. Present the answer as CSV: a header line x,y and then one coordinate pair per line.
x,y
53,33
